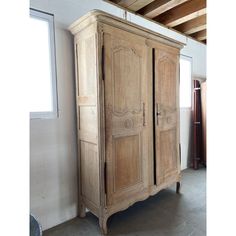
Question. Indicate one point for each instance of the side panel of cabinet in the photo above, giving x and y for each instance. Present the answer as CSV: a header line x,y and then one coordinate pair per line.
x,y
126,115
166,114
87,118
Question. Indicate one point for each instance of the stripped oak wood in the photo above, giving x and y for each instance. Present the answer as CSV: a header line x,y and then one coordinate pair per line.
x,y
87,120
126,104
114,98
166,114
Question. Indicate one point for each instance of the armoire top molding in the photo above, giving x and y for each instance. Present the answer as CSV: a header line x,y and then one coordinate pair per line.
x,y
104,17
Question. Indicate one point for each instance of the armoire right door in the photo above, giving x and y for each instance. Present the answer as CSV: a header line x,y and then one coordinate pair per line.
x,y
166,113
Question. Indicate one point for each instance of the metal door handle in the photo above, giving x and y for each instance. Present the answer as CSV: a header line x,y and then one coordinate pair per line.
x,y
144,115
157,112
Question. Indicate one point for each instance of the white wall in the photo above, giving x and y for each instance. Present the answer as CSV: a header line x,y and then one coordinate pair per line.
x,y
53,185
197,52
53,172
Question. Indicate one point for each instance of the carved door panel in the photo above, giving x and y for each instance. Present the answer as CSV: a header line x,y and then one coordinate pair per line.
x,y
166,114
125,59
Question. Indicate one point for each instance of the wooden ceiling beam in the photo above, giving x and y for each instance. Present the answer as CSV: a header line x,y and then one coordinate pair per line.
x,y
124,3
193,25
201,35
116,1
139,4
133,5
182,13
158,7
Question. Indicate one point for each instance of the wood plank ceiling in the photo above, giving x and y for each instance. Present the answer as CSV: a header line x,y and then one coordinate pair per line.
x,y
185,16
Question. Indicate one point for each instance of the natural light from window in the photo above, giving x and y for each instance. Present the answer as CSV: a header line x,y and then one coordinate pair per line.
x,y
185,82
42,74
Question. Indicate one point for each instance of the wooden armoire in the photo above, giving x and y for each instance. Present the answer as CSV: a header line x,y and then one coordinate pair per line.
x,y
127,97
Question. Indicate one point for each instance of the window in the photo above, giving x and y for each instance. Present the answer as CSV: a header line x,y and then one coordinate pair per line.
x,y
43,90
185,81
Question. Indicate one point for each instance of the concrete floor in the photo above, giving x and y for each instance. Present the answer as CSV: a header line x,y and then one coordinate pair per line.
x,y
166,213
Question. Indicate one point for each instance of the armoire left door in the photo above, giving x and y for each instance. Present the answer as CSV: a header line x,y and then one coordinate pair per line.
x,y
126,115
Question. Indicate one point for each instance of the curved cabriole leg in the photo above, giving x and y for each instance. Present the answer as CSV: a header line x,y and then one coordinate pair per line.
x,y
103,224
178,185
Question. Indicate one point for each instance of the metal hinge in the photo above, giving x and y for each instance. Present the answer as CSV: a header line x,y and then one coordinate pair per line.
x,y
180,153
105,177
103,62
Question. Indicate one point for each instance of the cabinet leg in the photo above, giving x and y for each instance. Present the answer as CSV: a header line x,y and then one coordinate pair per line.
x,y
82,210
103,225
178,185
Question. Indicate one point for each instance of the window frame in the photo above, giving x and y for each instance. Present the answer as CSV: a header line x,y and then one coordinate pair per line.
x,y
187,58
50,19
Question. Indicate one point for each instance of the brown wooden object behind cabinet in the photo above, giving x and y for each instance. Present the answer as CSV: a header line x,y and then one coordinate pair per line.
x,y
127,89
197,125
203,105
